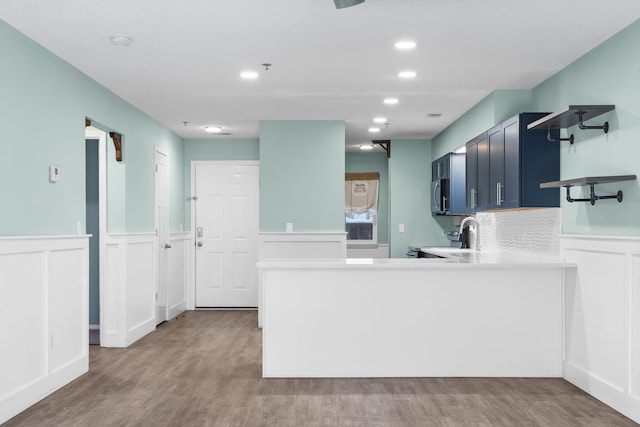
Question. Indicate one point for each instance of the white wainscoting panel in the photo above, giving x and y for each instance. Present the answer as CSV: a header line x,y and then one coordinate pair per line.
x,y
298,245
127,299
67,303
301,245
364,251
634,366
44,283
602,326
177,272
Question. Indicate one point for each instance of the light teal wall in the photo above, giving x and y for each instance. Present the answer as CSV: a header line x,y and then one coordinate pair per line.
x,y
606,75
374,162
221,149
116,188
493,109
302,175
508,103
43,105
409,198
215,149
609,74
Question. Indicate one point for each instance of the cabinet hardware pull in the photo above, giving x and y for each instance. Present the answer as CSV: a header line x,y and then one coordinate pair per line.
x,y
499,198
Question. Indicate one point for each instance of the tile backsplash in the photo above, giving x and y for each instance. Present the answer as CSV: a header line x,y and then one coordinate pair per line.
x,y
530,230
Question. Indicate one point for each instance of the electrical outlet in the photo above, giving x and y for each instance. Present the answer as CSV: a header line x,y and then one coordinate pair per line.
x,y
54,173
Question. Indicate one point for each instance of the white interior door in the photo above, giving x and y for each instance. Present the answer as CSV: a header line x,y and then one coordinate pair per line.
x,y
226,225
162,233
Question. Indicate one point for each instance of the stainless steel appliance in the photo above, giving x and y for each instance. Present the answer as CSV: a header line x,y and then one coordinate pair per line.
x,y
453,235
448,185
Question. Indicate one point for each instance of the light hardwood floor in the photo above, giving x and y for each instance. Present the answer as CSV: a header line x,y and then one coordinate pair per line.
x,y
204,369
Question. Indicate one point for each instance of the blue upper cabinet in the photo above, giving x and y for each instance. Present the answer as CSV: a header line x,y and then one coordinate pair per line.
x,y
510,163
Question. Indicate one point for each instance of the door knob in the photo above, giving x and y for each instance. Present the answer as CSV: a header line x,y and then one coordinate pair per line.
x,y
199,244
167,246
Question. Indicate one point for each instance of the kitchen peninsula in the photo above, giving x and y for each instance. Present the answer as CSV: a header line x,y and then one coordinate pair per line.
x,y
469,314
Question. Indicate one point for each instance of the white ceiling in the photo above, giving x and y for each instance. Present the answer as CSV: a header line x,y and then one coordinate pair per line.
x,y
328,64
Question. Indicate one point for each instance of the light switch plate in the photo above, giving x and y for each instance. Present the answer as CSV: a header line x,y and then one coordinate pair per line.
x,y
54,173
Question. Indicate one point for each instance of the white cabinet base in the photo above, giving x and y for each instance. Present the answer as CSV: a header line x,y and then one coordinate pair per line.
x,y
489,321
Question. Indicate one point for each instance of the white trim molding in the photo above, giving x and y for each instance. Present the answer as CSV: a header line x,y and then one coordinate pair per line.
x,y
44,308
602,319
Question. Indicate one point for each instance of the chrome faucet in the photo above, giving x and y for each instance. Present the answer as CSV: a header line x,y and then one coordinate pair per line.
x,y
474,232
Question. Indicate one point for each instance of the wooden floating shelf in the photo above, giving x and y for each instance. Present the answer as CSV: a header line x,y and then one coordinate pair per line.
x,y
571,116
591,181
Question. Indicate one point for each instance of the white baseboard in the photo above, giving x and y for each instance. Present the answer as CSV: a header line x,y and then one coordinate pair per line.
x,y
32,393
141,330
177,309
113,339
608,393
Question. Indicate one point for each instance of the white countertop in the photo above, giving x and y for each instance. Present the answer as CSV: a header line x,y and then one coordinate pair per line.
x,y
453,258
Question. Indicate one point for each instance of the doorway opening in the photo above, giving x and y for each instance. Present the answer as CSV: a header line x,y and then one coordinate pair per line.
x,y
95,222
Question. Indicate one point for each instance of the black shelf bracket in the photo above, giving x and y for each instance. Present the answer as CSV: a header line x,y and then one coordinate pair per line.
x,y
385,144
593,197
581,125
552,139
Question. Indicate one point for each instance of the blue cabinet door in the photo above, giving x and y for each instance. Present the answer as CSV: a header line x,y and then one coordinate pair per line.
x,y
483,184
471,173
511,189
496,167
539,162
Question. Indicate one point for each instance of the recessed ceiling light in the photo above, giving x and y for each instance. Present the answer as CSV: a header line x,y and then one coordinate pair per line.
x,y
366,146
405,45
407,74
380,120
391,101
249,75
213,129
120,40
374,130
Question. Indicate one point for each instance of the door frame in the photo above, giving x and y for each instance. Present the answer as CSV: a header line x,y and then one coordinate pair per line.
x,y
193,198
158,270
95,133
